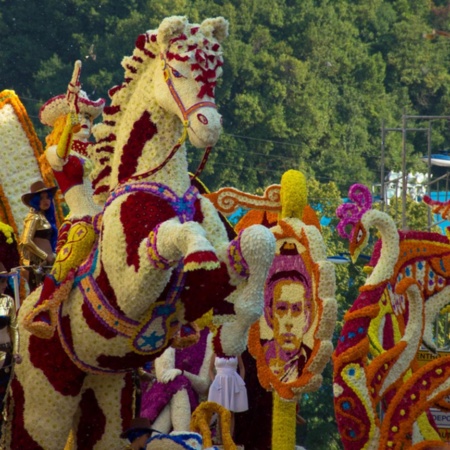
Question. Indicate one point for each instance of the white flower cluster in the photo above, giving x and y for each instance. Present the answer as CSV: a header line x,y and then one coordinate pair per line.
x,y
390,250
18,164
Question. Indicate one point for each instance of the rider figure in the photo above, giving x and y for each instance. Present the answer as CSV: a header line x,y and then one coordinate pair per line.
x,y
71,115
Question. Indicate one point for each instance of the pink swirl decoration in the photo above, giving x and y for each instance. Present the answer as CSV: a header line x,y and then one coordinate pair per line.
x,y
360,201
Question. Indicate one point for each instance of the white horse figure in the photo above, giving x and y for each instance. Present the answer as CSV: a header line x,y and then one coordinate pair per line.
x,y
163,256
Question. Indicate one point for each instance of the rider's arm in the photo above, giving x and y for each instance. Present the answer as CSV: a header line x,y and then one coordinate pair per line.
x,y
31,223
65,141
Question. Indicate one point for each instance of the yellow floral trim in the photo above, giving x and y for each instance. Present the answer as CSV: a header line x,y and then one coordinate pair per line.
x,y
70,444
283,423
180,342
51,306
57,130
206,321
204,265
375,325
201,418
8,232
10,97
426,429
155,258
121,325
6,214
79,243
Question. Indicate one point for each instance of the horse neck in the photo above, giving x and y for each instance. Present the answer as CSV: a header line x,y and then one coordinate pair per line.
x,y
390,248
162,131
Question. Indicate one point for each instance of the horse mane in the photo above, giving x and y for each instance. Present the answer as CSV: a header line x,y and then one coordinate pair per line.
x,y
200,48
105,133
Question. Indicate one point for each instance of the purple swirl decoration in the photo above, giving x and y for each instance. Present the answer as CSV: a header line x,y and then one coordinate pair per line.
x,y
350,213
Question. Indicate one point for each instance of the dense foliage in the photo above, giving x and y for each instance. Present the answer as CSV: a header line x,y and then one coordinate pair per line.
x,y
306,85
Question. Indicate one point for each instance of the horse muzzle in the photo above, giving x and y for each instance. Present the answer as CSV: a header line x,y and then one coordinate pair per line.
x,y
205,126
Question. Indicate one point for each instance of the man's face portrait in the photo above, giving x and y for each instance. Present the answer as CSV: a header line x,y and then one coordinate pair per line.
x,y
289,314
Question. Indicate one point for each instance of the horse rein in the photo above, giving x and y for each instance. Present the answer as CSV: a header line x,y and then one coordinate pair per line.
x,y
186,114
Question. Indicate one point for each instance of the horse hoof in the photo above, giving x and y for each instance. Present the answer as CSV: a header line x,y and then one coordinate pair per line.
x,y
41,329
203,260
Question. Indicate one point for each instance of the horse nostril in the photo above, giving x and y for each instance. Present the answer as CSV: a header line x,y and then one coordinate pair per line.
x,y
202,119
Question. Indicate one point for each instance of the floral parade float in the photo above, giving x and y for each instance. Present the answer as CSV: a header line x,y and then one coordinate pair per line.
x,y
374,362
162,257
21,152
292,341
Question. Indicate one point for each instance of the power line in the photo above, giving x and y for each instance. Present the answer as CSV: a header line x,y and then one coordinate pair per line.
x,y
289,144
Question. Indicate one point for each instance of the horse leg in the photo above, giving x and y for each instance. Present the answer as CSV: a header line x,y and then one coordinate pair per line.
x,y
250,255
41,416
105,411
45,391
172,241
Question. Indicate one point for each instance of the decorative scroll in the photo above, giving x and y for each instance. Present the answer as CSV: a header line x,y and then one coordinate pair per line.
x,y
228,200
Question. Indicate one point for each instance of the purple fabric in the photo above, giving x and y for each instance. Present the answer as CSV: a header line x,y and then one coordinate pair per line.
x,y
189,359
160,394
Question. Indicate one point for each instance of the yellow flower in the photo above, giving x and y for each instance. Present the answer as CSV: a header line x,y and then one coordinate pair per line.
x,y
293,194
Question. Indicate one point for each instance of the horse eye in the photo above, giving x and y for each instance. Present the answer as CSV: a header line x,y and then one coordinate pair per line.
x,y
176,74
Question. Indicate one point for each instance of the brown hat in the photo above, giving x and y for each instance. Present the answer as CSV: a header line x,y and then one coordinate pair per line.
x,y
138,423
36,188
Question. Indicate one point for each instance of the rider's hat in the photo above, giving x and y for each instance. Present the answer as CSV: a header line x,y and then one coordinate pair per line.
x,y
58,106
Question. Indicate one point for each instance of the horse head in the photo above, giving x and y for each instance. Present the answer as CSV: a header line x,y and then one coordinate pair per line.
x,y
191,62
169,80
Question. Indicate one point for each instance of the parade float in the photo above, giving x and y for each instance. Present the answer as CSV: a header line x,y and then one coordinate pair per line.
x,y
382,396
291,342
162,256
21,153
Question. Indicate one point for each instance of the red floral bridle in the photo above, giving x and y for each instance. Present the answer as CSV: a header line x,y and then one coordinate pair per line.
x,y
186,113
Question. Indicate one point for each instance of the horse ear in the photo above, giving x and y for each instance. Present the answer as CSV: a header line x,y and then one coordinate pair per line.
x,y
217,28
171,27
